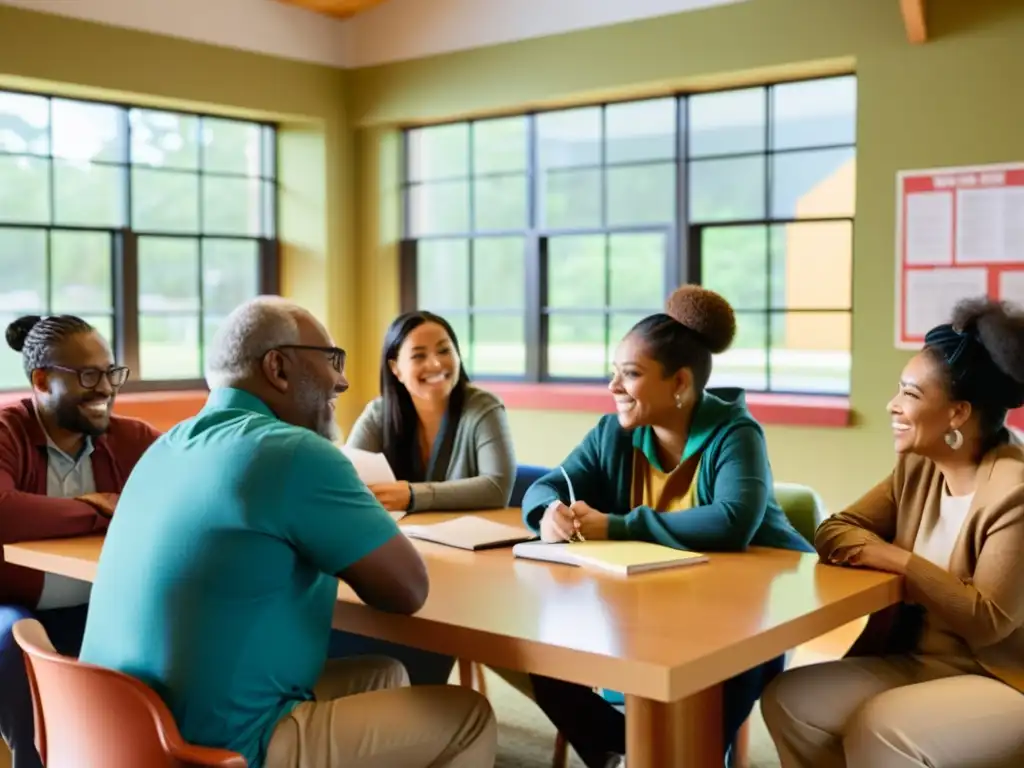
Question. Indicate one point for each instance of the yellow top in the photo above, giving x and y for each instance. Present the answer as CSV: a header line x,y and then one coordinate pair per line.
x,y
662,491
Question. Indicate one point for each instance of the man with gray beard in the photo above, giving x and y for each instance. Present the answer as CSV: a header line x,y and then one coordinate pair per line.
x,y
218,578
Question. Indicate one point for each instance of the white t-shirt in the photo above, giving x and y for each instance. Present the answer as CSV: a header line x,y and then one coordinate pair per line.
x,y
935,543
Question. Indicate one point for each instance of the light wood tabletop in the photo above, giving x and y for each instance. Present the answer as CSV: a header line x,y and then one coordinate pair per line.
x,y
667,640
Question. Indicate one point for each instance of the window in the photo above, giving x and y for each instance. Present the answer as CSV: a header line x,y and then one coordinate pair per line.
x,y
544,237
151,225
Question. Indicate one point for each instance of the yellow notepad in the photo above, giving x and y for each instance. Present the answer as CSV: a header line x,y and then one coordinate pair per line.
x,y
469,532
623,557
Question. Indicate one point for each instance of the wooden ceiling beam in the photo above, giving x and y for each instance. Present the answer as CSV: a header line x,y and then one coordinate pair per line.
x,y
914,20
341,9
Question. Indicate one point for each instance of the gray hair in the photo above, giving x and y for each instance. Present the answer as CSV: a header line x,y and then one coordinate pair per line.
x,y
247,334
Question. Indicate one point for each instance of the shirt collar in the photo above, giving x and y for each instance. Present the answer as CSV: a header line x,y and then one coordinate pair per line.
x,y
229,398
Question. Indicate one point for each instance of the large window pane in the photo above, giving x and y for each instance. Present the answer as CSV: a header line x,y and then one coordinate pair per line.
x,y
727,123
439,209
230,146
569,138
88,131
165,201
810,352
577,272
499,345
23,266
814,113
442,275
641,194
745,364
620,324
816,183
727,190
734,263
24,124
438,152
82,272
86,194
230,274
24,190
576,346
812,265
169,347
232,206
571,199
640,130
499,273
12,374
164,139
499,146
500,203
168,274
636,264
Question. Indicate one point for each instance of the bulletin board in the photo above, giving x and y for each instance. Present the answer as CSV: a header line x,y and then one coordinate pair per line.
x,y
959,234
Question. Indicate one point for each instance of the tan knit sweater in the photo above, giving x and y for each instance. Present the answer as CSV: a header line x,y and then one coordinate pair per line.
x,y
975,610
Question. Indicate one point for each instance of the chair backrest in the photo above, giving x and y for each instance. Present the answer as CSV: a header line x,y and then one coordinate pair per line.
x,y
100,718
802,506
526,475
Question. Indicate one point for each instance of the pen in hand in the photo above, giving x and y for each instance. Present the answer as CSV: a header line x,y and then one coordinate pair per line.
x,y
575,535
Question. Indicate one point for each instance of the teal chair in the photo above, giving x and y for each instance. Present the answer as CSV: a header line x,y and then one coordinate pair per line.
x,y
805,511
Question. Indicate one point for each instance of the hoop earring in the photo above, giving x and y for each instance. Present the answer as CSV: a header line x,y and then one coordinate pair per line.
x,y
955,439
679,400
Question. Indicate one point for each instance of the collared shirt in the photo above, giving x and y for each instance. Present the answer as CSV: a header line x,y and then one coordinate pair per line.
x,y
216,585
66,477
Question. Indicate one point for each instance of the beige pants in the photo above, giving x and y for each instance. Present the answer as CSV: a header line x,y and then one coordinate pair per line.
x,y
366,716
894,712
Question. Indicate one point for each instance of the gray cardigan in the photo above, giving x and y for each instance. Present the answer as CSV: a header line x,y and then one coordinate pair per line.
x,y
481,468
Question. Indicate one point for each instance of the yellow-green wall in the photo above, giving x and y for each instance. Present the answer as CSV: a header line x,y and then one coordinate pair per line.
x,y
65,56
953,101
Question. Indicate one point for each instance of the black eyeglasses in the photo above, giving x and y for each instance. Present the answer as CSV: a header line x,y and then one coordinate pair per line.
x,y
336,354
90,378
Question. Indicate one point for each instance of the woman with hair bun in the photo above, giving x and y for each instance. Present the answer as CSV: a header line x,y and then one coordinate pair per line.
x,y
677,465
939,680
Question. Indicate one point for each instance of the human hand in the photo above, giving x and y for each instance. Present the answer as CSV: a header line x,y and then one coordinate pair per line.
x,y
103,503
592,524
556,524
394,497
876,556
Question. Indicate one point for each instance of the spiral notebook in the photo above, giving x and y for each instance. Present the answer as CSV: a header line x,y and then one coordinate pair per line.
x,y
623,557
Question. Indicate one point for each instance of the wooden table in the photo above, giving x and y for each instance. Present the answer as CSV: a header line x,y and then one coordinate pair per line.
x,y
667,640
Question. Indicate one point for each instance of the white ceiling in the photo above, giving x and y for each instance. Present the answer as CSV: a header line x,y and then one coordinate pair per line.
x,y
393,31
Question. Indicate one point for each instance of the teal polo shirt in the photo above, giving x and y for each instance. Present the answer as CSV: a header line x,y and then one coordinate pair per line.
x,y
216,584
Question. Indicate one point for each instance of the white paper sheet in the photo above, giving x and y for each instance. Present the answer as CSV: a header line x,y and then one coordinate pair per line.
x,y
990,225
929,228
373,468
931,294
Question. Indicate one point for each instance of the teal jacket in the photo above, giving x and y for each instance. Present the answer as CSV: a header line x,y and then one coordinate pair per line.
x,y
737,506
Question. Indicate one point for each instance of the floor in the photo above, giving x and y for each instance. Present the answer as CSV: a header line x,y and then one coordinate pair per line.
x,y
526,739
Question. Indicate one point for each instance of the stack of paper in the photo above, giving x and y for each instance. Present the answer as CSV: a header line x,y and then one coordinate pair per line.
x,y
469,532
623,557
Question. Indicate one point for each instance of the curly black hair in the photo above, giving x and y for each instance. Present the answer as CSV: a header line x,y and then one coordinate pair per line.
x,y
37,337
696,324
992,378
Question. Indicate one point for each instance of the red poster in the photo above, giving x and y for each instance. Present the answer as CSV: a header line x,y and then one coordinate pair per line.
x,y
960,233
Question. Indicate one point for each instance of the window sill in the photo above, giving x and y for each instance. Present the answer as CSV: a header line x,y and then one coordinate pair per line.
x,y
769,409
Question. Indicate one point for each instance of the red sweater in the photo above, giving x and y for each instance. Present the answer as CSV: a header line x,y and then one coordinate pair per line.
x,y
28,514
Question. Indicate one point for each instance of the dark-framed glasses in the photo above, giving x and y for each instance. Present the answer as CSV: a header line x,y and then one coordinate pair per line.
x,y
336,354
90,378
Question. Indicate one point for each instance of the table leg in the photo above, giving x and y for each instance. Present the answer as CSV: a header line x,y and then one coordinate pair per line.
x,y
683,734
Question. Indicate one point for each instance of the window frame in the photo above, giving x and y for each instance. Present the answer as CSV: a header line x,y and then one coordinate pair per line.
x,y
124,309
683,233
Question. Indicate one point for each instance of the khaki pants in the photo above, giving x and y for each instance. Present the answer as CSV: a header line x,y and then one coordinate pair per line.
x,y
366,716
894,712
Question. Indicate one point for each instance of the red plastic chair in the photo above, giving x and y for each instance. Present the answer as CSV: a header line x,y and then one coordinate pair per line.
x,y
90,717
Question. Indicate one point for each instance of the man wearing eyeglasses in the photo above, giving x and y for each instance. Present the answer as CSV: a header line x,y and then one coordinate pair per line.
x,y
63,462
